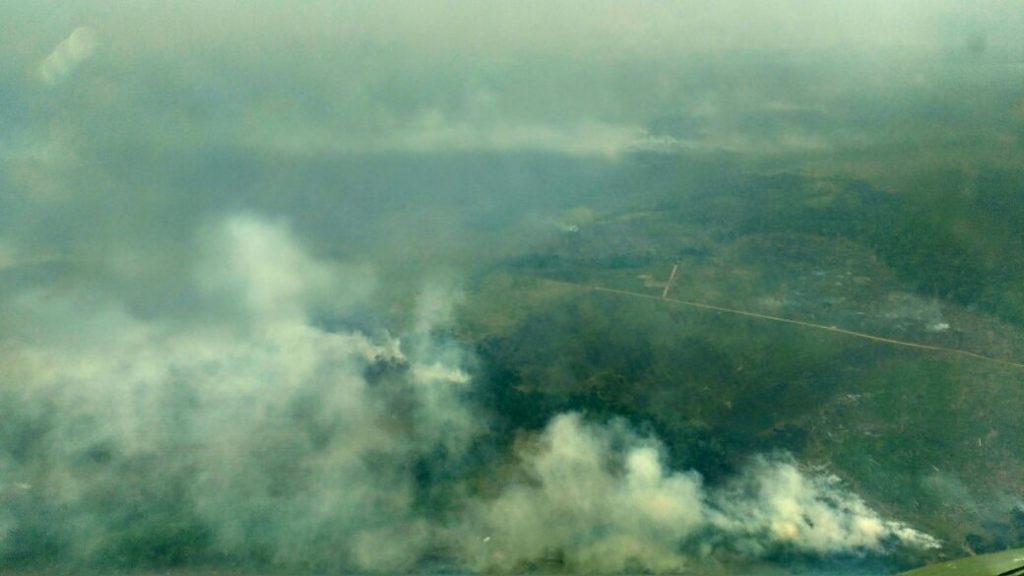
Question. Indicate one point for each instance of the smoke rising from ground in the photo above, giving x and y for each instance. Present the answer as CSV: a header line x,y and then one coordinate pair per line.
x,y
600,499
229,232
261,437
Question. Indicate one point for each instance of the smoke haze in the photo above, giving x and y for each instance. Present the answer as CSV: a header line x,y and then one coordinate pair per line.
x,y
264,437
256,261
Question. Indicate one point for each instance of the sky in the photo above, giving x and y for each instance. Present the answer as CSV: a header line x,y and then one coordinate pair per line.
x,y
581,78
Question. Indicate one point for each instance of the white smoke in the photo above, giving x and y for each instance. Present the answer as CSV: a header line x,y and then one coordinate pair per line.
x,y
599,499
775,503
287,450
264,436
583,504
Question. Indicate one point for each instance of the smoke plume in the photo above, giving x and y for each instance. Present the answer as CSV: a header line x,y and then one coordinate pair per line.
x,y
265,435
599,499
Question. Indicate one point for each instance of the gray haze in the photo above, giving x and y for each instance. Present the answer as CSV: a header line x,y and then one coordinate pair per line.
x,y
235,238
262,433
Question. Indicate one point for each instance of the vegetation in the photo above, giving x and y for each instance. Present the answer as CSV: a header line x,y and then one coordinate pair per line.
x,y
927,436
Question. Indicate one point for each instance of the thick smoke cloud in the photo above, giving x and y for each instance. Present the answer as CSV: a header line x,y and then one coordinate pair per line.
x,y
263,437
260,435
600,499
